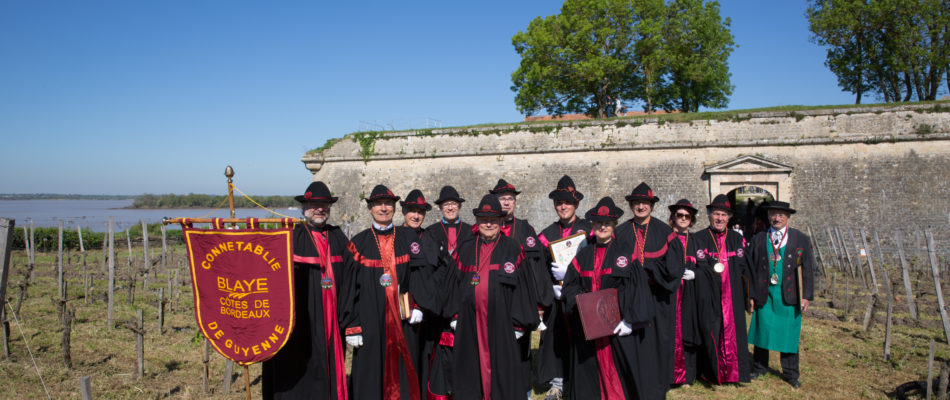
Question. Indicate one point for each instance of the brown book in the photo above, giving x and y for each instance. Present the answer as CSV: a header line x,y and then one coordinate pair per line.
x,y
405,305
599,312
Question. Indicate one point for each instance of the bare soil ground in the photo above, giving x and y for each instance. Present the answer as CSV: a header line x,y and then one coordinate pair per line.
x,y
838,359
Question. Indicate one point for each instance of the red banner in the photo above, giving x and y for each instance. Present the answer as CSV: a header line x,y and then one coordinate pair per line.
x,y
244,289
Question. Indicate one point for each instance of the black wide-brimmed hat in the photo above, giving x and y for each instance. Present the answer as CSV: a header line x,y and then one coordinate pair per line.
x,y
317,191
684,204
449,193
642,192
720,202
489,207
504,187
779,205
415,199
381,192
566,191
605,210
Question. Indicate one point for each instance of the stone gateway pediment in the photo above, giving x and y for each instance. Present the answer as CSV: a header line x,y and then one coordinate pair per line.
x,y
747,164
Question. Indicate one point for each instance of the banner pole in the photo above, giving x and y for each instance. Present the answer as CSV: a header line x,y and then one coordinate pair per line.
x,y
229,172
247,382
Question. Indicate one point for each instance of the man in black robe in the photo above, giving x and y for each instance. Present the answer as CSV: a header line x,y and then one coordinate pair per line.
x,y
686,335
523,233
554,348
661,254
489,310
450,230
427,325
311,365
390,282
611,367
721,284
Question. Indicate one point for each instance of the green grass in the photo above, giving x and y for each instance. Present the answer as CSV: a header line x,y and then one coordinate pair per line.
x,y
839,360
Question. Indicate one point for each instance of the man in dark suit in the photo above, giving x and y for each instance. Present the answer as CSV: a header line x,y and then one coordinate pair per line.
x,y
783,265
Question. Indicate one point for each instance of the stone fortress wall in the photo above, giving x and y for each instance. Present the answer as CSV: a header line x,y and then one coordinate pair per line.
x,y
880,167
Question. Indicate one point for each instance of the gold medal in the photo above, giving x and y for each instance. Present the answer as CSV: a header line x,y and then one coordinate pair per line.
x,y
774,279
719,267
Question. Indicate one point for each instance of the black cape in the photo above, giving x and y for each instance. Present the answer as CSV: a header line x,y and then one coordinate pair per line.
x,y
633,355
508,308
555,346
369,308
710,305
663,260
304,368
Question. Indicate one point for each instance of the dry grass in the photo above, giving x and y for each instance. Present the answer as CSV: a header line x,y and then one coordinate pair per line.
x,y
839,360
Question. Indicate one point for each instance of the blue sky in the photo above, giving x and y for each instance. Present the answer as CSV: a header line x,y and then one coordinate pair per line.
x,y
131,97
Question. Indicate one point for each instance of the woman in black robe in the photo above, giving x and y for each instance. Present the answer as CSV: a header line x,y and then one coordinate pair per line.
x,y
621,365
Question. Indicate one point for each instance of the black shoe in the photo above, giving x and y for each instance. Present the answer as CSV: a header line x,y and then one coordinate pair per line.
x,y
795,383
755,375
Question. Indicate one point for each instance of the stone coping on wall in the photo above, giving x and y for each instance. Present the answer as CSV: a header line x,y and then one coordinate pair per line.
x,y
874,124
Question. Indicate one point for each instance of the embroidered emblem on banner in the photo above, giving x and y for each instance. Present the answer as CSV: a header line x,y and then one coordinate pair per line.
x,y
701,254
509,267
621,262
415,248
386,280
529,241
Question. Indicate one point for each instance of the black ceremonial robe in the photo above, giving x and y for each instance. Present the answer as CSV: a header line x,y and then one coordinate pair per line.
x,y
446,235
686,336
385,364
539,290
554,349
310,366
488,300
724,356
662,256
614,367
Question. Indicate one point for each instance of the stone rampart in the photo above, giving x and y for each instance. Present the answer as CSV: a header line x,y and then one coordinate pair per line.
x,y
869,166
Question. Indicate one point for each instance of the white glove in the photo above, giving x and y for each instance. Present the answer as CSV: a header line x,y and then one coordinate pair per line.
x,y
623,329
415,317
558,271
453,323
689,275
518,334
354,340
557,291
542,327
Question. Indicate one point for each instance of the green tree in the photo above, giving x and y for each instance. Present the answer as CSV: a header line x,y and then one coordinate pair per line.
x,y
698,45
596,51
895,49
578,60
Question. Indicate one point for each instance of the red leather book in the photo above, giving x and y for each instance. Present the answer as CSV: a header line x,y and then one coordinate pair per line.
x,y
599,312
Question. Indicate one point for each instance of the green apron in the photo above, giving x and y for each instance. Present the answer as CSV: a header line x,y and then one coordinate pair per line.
x,y
776,326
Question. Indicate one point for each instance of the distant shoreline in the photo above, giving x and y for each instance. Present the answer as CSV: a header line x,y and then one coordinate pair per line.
x,y
51,196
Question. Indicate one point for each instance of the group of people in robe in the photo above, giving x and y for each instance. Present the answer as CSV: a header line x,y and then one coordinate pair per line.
x,y
446,311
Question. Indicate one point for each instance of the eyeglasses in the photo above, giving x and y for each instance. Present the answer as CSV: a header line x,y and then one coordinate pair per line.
x,y
681,215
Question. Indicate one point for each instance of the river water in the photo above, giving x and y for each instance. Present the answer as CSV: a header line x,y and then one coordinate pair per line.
x,y
94,214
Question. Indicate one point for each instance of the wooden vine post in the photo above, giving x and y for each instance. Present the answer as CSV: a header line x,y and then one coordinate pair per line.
x,y
936,274
111,270
905,274
6,242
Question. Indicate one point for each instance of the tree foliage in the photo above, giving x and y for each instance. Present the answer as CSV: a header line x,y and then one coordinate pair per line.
x,y
894,49
193,200
642,51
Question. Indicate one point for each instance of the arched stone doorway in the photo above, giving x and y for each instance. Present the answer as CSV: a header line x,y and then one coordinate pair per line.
x,y
745,202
